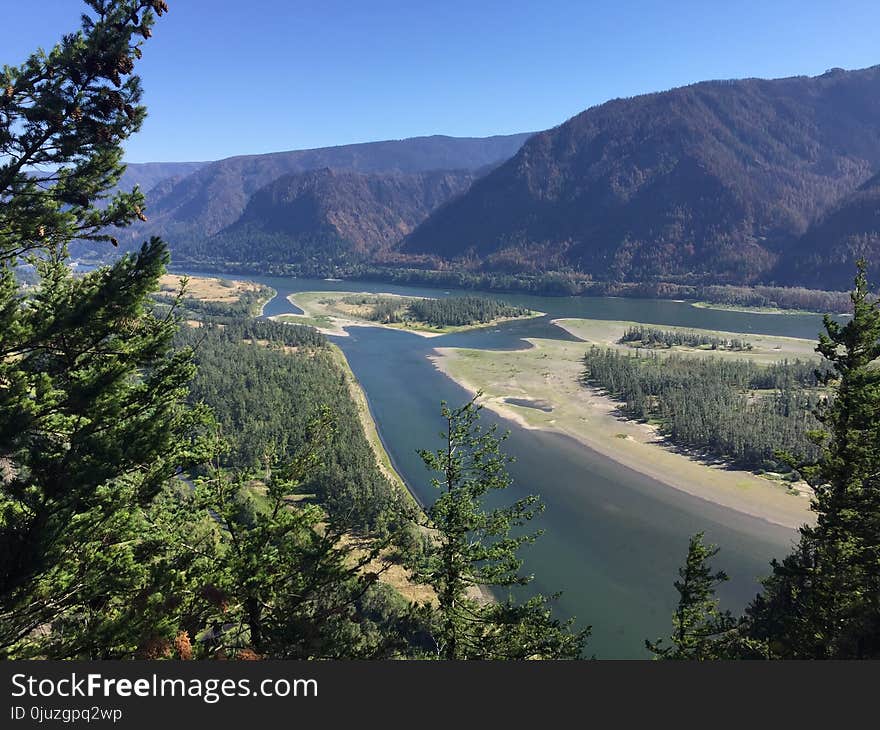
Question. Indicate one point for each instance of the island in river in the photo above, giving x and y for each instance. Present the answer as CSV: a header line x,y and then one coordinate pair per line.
x,y
331,314
540,388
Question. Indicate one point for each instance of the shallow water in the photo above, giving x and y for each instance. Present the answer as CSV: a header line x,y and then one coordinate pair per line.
x,y
539,405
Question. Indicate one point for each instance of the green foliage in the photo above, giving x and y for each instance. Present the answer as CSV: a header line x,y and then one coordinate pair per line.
x,y
92,419
103,554
251,571
461,311
476,547
823,600
63,116
284,583
652,337
736,410
92,423
263,399
698,624
272,334
446,312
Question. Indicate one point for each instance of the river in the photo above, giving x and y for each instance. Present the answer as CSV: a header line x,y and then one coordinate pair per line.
x,y
613,538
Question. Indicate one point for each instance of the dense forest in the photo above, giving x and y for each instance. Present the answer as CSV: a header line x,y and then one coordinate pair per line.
x,y
827,252
652,338
264,382
445,312
734,410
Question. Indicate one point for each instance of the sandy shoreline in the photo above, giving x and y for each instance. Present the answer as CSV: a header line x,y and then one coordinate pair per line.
x,y
590,418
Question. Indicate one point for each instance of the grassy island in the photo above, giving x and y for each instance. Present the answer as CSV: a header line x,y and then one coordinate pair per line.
x,y
420,315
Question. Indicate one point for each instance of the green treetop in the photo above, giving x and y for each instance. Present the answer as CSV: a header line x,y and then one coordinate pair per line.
x,y
823,601
697,622
92,416
63,116
475,547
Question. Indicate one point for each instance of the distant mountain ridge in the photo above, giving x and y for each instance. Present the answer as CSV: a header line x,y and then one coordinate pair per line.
x,y
147,175
338,215
215,195
741,182
711,182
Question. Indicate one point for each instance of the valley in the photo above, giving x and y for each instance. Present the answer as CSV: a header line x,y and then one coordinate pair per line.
x,y
437,334
611,501
702,185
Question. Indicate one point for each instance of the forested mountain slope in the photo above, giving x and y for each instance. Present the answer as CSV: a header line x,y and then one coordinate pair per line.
x,y
331,213
826,254
214,196
710,182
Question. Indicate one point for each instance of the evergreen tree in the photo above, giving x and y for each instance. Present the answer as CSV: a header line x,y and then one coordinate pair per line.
x,y
285,581
697,624
742,411
92,421
823,601
63,116
475,547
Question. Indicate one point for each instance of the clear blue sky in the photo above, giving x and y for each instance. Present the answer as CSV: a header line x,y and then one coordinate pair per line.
x,y
225,77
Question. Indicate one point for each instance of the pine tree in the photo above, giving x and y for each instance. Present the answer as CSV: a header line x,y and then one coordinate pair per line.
x,y
63,116
823,600
476,546
92,416
284,579
698,624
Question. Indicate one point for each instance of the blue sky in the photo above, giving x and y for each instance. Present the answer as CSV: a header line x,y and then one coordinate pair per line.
x,y
226,77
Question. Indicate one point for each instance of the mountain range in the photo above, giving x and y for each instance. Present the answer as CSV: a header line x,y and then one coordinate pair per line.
x,y
740,181
714,182
334,215
147,175
213,196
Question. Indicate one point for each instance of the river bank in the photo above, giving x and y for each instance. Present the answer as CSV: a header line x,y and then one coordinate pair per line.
x,y
371,432
539,388
393,573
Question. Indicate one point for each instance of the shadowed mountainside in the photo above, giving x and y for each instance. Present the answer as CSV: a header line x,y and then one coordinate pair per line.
x,y
710,182
331,214
214,197
825,255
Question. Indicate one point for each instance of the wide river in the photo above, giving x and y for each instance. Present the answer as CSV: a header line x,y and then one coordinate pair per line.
x,y
613,538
